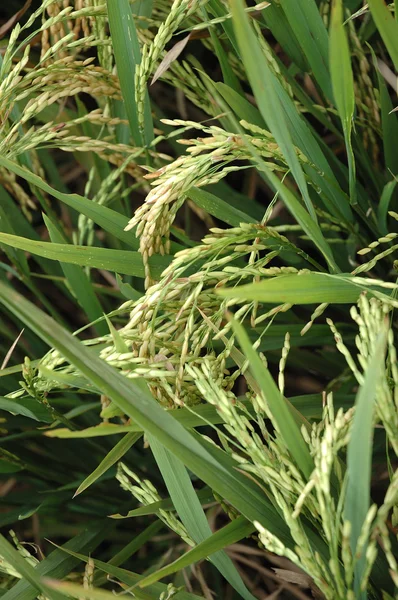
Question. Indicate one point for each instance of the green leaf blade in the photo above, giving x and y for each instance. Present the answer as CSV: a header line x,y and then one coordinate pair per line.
x,y
279,407
305,288
306,23
343,85
191,512
128,55
265,87
387,26
108,219
79,282
359,457
219,473
230,534
121,261
117,453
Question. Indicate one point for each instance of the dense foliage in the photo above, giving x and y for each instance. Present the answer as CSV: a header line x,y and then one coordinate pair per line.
x,y
198,216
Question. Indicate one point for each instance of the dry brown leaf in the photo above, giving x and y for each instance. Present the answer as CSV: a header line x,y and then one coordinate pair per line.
x,y
170,57
14,19
11,350
293,577
301,579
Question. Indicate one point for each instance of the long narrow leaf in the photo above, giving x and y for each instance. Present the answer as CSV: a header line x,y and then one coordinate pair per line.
x,y
79,282
128,578
294,206
284,419
306,22
191,513
307,288
58,564
117,453
302,136
242,107
387,26
204,496
237,489
73,590
343,84
128,55
24,568
389,120
230,534
120,261
22,226
28,407
274,17
382,209
265,84
219,208
359,457
103,216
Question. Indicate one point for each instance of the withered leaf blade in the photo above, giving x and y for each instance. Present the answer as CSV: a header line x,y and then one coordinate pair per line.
x,y
293,577
14,19
11,350
170,57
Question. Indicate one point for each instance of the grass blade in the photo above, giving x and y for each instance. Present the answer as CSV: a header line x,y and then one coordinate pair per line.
x,y
101,430
306,23
24,568
382,209
204,496
307,288
229,76
135,544
289,429
16,257
220,474
265,85
28,407
219,208
121,261
343,85
79,282
128,55
389,120
275,19
117,453
309,405
57,564
191,513
24,228
303,137
387,26
130,579
230,534
106,218
359,457
301,215
73,590
241,107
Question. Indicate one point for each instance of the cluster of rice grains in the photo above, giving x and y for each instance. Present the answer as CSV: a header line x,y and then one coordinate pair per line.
x,y
177,336
207,162
180,321
35,90
321,497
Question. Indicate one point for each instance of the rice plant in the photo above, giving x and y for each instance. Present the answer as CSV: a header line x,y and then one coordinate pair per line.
x,y
198,224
